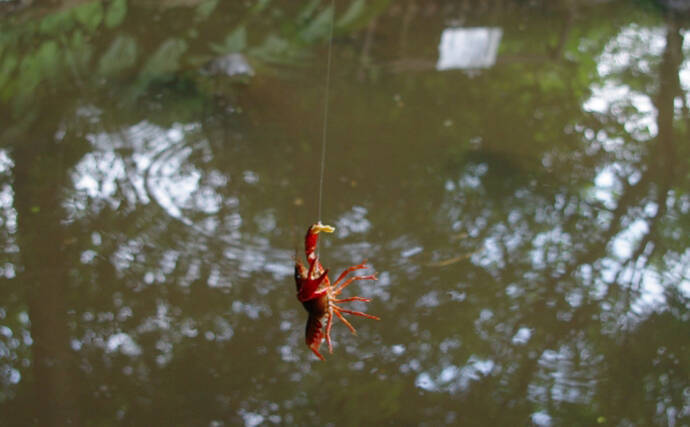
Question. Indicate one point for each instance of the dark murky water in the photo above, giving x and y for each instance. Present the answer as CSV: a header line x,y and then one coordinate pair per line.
x,y
516,172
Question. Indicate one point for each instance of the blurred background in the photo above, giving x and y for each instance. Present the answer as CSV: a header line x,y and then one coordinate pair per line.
x,y
517,172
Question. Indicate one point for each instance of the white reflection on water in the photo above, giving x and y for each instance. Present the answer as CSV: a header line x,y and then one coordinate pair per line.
x,y
624,243
606,187
452,378
5,162
615,96
634,47
411,251
684,74
522,336
251,419
288,354
147,163
8,215
398,349
161,170
541,418
223,329
429,300
568,374
354,221
468,48
545,250
619,267
124,343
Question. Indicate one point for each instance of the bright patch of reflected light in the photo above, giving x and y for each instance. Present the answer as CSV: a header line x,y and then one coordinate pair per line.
x,y
633,48
468,48
624,243
5,162
124,343
147,163
612,97
684,73
522,336
398,349
8,215
6,193
159,169
251,419
541,418
568,374
354,221
651,293
606,187
411,251
454,379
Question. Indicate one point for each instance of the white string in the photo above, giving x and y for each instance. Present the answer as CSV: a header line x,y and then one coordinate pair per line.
x,y
325,109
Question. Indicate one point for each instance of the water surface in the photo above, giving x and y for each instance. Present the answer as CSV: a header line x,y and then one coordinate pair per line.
x,y
516,173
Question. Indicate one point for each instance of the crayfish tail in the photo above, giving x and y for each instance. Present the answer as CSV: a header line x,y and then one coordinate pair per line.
x,y
314,335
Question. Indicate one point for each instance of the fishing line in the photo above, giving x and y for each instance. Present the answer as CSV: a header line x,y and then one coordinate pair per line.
x,y
325,108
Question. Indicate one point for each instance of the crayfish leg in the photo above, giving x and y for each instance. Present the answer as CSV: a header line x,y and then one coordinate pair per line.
x,y
347,283
316,352
361,266
337,311
359,313
353,299
329,325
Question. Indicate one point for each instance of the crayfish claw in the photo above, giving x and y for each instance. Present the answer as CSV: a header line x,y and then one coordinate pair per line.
x,y
318,228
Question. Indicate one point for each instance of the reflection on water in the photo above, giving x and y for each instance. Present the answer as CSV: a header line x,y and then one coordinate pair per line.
x,y
468,48
528,220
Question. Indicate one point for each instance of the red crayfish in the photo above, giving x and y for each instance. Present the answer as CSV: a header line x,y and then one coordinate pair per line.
x,y
319,296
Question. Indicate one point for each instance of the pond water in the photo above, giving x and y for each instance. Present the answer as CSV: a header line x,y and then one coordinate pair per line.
x,y
515,172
